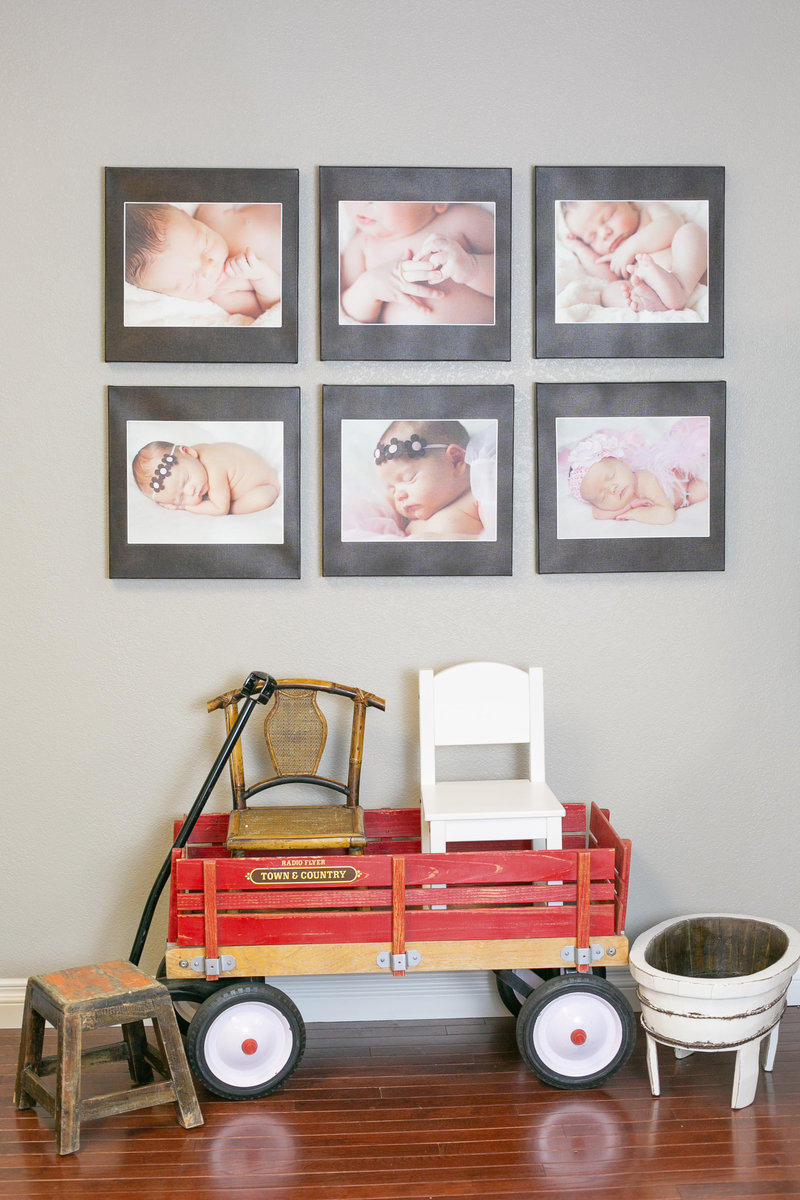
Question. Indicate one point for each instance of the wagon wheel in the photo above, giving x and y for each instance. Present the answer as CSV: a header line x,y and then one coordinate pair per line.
x,y
245,1040
514,992
576,1031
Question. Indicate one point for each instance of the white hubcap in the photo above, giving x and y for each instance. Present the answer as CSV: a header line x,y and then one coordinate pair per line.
x,y
248,1044
577,1034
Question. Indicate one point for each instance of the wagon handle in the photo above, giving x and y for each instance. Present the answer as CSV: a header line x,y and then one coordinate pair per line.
x,y
258,688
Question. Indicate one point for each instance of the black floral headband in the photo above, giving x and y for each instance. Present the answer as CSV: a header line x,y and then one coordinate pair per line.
x,y
163,470
411,447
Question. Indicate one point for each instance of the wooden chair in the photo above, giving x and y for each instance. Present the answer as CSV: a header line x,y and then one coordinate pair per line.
x,y
296,732
482,704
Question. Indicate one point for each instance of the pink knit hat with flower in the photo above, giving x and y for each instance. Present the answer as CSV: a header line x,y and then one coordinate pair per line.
x,y
588,452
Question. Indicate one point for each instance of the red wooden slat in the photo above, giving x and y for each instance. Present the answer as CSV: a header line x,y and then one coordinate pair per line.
x,y
398,908
364,870
172,919
331,928
293,901
392,822
210,910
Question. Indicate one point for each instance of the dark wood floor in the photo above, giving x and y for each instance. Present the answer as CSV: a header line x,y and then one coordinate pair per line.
x,y
415,1110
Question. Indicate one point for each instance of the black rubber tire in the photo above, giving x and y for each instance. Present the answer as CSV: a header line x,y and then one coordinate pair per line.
x,y
259,1015
534,977
576,1031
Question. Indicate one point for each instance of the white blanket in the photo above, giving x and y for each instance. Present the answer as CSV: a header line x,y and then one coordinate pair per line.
x,y
578,294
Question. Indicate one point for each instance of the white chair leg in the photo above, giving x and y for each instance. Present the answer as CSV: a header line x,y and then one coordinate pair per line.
x,y
745,1075
769,1045
652,1065
683,1051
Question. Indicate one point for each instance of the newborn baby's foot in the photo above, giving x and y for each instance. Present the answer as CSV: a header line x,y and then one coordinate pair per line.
x,y
666,286
643,298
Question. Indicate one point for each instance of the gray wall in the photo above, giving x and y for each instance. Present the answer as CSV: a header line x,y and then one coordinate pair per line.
x,y
670,698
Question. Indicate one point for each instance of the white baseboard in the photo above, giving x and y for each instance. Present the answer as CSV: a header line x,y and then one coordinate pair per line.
x,y
417,997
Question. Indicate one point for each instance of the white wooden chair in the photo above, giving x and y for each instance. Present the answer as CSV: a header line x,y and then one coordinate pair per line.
x,y
482,704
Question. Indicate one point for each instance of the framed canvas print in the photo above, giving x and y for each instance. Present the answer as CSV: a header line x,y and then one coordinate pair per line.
x,y
415,263
201,265
204,483
631,476
629,262
417,480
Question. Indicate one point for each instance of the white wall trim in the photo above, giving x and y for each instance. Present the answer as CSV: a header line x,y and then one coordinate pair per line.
x,y
420,997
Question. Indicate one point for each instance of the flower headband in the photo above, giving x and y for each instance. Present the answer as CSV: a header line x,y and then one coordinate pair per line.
x,y
412,447
163,471
588,452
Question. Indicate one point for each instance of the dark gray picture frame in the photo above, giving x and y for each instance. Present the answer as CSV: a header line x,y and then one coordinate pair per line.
x,y
172,411
646,339
413,342
199,343
375,407
625,405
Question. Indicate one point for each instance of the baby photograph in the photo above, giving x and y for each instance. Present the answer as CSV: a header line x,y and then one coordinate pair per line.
x,y
631,261
206,264
419,262
633,477
205,482
408,479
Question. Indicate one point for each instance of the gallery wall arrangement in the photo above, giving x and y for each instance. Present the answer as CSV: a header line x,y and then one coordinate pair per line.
x,y
201,265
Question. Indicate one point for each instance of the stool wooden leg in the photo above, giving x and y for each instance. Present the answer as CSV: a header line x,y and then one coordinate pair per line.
x,y
68,1084
174,1055
30,1049
136,1042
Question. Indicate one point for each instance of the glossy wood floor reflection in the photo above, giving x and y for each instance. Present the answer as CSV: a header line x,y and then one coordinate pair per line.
x,y
416,1110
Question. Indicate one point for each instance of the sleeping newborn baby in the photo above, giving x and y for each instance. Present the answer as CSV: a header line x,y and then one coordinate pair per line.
x,y
212,480
649,257
228,253
423,466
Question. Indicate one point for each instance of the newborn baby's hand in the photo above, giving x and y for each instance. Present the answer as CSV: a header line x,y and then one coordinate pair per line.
x,y
620,261
624,513
446,259
406,281
246,265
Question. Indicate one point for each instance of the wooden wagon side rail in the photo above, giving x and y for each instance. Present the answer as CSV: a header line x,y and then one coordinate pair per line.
x,y
486,900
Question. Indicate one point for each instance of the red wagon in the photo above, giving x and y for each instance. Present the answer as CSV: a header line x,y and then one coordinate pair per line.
x,y
552,918
547,922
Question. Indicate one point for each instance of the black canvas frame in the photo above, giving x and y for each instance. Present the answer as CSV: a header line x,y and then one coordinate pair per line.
x,y
629,400
414,342
636,339
130,560
399,557
226,343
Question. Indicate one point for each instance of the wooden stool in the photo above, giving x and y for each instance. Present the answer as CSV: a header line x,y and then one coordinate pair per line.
x,y
112,993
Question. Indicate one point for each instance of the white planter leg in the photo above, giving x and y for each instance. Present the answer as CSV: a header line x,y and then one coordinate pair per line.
x,y
652,1065
769,1045
745,1075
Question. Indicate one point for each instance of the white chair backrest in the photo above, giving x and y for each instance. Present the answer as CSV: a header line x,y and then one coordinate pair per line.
x,y
481,704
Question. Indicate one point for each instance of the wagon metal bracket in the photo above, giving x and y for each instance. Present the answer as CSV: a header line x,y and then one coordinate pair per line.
x,y
582,955
399,962
212,966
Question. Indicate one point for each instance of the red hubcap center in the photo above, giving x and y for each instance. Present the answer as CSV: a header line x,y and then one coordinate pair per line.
x,y
578,1036
249,1046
